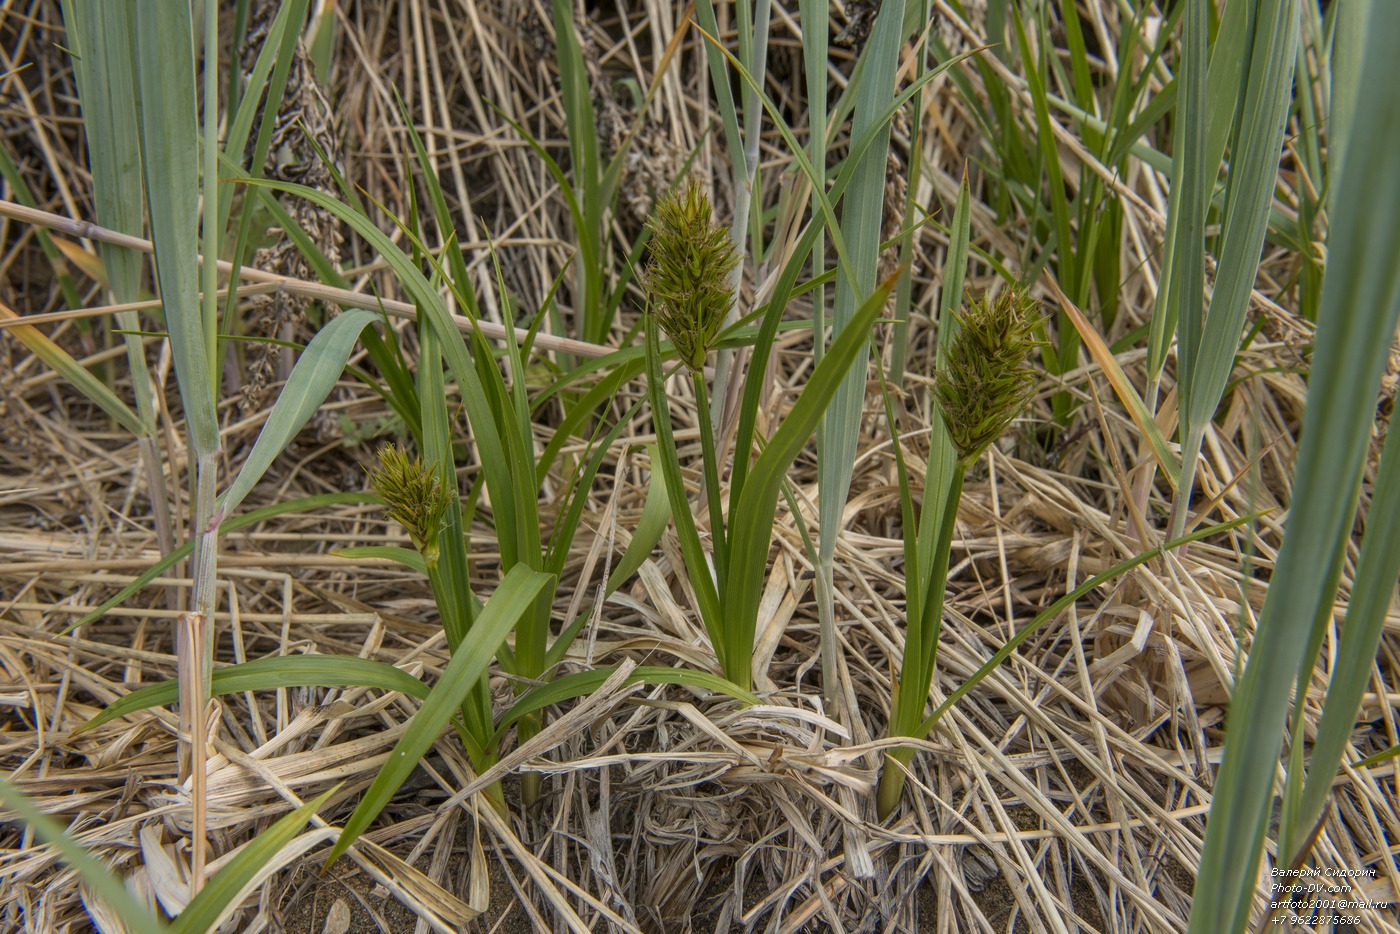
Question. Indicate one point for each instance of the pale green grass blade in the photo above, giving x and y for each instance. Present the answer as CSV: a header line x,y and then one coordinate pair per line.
x,y
164,63
1207,355
1347,48
230,525
1360,302
649,528
136,916
1372,591
719,80
225,889
507,606
745,225
786,285
310,382
838,243
269,674
751,520
212,193
862,212
816,28
102,65
1192,183
269,73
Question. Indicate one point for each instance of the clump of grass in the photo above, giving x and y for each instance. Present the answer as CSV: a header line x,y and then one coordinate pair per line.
x,y
688,277
984,383
692,258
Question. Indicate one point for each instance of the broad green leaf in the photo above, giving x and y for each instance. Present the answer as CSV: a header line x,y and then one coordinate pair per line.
x,y
507,606
101,33
862,216
164,64
1372,591
311,381
1357,320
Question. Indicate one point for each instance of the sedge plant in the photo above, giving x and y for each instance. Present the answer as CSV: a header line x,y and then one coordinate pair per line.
x,y
688,281
983,384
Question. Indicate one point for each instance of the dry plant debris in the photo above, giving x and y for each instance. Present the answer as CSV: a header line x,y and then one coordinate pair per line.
x,y
1073,783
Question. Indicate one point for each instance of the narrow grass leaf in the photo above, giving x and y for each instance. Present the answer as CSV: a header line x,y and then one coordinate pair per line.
x,y
405,556
108,887
61,362
1208,352
227,886
589,228
433,312
1062,604
701,579
752,519
862,214
1192,181
269,674
583,683
102,64
507,606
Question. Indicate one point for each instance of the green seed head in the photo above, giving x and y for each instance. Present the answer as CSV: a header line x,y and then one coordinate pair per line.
x,y
413,496
986,382
692,258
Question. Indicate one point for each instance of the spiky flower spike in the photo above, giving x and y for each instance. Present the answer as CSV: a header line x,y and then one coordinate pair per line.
x,y
692,258
413,497
987,383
